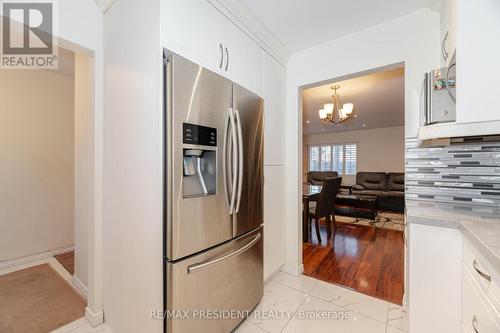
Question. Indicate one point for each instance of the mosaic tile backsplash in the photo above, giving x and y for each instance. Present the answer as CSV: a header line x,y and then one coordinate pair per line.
x,y
466,172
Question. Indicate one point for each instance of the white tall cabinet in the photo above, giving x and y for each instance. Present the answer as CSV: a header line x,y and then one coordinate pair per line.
x,y
198,31
273,92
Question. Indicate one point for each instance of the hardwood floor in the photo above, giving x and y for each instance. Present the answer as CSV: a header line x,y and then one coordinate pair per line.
x,y
67,260
367,259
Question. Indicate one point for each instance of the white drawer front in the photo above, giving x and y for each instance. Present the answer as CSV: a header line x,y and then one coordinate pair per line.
x,y
486,277
478,315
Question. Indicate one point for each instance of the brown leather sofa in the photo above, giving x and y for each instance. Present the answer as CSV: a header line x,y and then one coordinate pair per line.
x,y
317,177
389,188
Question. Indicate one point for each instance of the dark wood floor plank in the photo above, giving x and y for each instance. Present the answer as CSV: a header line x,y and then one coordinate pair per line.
x,y
367,259
67,259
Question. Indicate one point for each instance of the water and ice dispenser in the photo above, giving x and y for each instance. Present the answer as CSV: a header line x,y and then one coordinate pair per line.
x,y
199,161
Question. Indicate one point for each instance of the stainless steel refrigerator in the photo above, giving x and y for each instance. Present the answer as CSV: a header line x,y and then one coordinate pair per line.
x,y
213,239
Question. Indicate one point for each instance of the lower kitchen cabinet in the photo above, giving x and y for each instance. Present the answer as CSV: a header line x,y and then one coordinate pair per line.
x,y
478,315
452,287
435,278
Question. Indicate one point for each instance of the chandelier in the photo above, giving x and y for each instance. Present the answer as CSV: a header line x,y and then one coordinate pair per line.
x,y
331,113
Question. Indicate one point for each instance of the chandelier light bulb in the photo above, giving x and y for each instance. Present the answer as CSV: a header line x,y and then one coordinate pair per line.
x,y
328,108
348,107
322,114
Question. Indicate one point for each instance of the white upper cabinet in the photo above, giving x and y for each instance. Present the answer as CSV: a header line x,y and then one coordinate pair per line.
x,y
448,31
472,29
478,61
192,29
273,91
196,30
240,56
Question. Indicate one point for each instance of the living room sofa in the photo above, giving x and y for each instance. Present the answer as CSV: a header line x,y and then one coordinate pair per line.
x,y
389,188
317,177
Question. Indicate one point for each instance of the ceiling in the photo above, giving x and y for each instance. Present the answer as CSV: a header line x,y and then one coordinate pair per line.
x,y
301,24
378,100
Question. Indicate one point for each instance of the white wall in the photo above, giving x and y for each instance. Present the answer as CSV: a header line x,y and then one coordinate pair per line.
x,y
412,39
37,167
133,254
379,150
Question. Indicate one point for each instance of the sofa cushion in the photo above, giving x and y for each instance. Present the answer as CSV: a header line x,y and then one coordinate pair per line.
x,y
317,177
372,180
395,181
368,192
358,187
399,194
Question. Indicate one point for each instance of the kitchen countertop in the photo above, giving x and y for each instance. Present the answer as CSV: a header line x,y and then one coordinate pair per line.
x,y
480,225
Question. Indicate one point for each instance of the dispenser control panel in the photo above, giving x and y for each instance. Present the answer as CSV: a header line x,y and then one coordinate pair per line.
x,y
199,135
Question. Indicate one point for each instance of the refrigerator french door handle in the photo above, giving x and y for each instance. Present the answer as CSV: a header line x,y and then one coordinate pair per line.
x,y
240,160
197,267
224,164
230,126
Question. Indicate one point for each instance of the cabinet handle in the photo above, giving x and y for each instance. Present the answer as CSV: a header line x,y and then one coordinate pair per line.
x,y
227,59
476,267
443,47
474,322
221,55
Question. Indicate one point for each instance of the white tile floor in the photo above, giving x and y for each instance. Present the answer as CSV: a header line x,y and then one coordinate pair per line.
x,y
287,297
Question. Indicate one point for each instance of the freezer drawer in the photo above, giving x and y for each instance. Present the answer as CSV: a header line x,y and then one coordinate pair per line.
x,y
227,277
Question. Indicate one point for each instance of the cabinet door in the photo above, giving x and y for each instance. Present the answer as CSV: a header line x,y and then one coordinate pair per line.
x,y
240,56
477,313
435,260
273,91
448,32
192,29
274,221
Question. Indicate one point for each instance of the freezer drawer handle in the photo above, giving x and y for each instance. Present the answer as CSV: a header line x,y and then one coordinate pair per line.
x,y
197,267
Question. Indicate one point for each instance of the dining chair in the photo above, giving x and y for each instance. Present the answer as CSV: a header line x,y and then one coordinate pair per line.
x,y
325,206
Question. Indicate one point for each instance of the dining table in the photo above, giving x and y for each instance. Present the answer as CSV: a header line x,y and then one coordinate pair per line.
x,y
309,193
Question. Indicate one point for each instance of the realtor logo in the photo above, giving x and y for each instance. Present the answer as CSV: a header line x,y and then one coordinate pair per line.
x,y
28,36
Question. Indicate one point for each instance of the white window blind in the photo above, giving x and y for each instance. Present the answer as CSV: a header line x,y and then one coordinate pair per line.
x,y
326,158
337,157
350,159
314,159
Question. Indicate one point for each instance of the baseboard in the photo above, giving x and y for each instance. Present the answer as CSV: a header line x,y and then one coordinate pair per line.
x,y
272,275
63,249
404,303
93,318
79,286
16,264
293,270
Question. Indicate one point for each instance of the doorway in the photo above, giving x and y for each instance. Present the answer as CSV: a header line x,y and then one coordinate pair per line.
x,y
360,245
47,176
